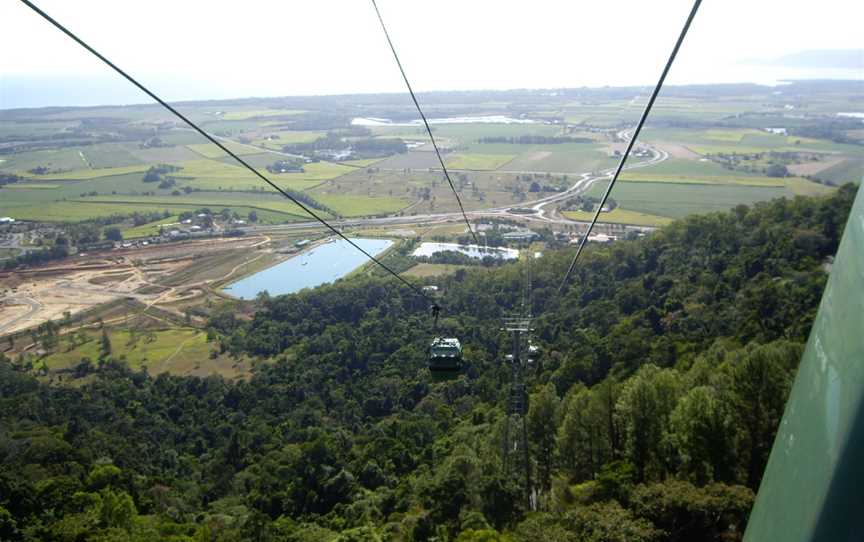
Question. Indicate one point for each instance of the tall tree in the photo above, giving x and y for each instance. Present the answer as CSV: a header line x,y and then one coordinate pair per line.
x,y
542,429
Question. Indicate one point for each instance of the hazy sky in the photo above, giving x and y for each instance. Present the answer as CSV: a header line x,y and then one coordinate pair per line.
x,y
190,49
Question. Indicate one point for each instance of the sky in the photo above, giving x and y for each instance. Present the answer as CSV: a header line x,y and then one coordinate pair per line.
x,y
197,49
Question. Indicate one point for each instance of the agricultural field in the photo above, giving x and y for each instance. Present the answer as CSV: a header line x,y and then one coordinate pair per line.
x,y
715,141
94,159
675,200
846,171
620,216
209,150
478,161
570,158
278,139
643,175
86,174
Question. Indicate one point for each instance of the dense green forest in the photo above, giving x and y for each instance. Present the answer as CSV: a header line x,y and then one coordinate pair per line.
x,y
664,371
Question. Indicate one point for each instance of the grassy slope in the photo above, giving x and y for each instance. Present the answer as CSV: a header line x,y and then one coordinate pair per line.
x,y
181,348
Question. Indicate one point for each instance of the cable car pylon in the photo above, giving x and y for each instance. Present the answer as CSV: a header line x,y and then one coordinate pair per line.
x,y
517,404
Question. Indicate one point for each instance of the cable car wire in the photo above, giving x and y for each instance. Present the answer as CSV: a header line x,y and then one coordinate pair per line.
x,y
632,141
425,122
213,140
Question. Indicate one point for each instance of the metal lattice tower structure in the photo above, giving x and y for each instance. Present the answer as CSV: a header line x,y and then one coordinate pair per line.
x,y
516,447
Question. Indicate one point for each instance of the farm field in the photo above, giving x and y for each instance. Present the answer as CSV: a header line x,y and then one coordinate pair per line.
x,y
344,205
110,155
277,140
620,216
86,174
478,161
59,159
676,200
98,155
847,171
728,141
643,175
32,186
209,150
567,158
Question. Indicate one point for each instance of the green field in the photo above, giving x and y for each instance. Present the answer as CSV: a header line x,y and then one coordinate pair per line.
x,y
620,216
150,229
847,171
744,140
679,200
643,175
352,206
680,166
77,211
177,350
85,174
209,150
199,200
287,137
109,155
344,205
218,175
32,186
565,158
60,159
796,186
478,161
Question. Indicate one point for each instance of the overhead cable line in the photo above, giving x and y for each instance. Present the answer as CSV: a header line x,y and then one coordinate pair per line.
x,y
425,123
632,141
213,140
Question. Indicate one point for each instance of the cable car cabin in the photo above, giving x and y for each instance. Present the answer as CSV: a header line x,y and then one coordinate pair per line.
x,y
533,353
445,358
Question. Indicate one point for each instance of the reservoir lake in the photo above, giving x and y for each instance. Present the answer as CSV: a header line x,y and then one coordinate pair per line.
x,y
322,264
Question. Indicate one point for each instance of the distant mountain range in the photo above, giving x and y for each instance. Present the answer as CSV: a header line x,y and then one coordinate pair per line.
x,y
850,59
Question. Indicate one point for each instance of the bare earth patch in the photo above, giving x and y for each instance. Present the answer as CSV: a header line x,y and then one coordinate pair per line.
x,y
539,155
679,151
811,168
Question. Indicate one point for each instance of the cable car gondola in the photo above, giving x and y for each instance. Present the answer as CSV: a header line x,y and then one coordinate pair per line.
x,y
445,354
445,358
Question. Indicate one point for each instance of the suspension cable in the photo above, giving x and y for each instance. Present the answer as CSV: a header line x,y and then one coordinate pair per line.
x,y
213,140
425,123
632,141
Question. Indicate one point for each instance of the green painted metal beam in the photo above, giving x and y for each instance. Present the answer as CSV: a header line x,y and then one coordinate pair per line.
x,y
813,487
